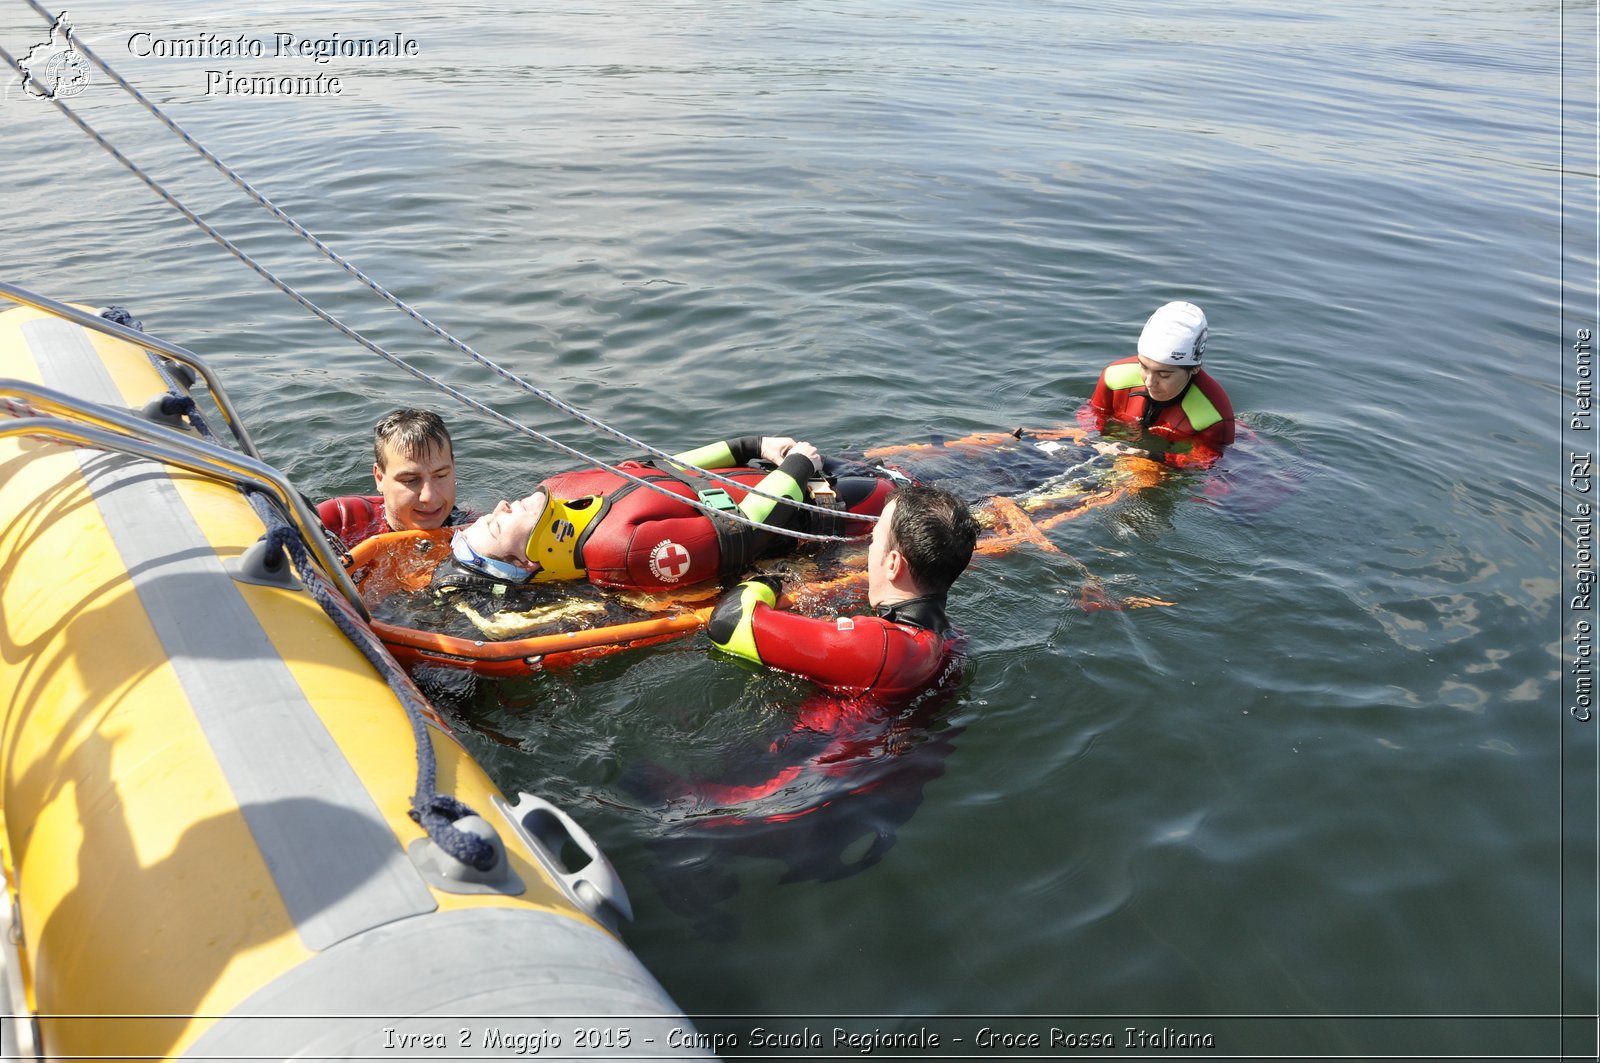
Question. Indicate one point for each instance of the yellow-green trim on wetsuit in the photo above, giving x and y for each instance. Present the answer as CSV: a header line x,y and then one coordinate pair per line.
x,y
1199,409
730,624
782,482
786,481
711,456
1123,377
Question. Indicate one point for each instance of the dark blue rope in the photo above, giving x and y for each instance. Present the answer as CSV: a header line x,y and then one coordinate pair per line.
x,y
181,405
118,315
436,813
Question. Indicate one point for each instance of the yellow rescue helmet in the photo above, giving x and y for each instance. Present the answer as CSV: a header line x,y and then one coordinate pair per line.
x,y
554,543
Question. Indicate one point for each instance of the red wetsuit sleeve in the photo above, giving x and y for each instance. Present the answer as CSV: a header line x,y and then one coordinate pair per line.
x,y
843,654
1093,414
850,654
1220,434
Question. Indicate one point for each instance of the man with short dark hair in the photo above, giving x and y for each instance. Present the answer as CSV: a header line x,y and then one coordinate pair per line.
x,y
922,542
414,468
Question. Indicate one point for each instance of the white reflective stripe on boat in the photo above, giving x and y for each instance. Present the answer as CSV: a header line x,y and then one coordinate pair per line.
x,y
335,862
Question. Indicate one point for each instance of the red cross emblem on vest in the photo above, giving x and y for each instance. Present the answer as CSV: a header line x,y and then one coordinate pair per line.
x,y
669,561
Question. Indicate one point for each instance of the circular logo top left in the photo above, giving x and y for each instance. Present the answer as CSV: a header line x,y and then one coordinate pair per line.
x,y
56,68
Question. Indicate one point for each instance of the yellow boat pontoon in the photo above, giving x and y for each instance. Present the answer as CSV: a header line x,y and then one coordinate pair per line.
x,y
226,828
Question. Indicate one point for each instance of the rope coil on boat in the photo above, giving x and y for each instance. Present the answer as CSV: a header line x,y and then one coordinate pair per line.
x,y
410,311
119,315
180,406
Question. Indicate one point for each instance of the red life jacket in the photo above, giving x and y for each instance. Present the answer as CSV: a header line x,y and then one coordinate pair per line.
x,y
646,540
354,518
1201,415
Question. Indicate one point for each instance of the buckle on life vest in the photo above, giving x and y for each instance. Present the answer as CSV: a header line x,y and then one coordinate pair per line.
x,y
718,499
823,494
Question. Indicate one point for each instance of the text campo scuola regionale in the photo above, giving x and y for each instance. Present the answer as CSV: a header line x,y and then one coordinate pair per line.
x,y
867,1042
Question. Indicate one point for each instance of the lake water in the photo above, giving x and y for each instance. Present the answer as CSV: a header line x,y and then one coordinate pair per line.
x,y
1331,800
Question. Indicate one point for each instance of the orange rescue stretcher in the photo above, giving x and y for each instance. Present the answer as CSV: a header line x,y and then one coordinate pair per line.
x,y
403,562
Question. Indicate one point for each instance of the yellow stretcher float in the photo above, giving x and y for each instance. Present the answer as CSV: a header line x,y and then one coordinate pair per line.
x,y
205,786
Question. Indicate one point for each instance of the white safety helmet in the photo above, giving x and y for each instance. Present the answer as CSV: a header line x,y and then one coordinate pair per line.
x,y
1175,335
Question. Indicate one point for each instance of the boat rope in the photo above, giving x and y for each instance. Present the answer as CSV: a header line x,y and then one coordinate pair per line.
x,y
389,297
436,813
181,406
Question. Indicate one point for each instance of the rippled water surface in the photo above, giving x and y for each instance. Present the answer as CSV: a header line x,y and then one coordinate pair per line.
x,y
1325,780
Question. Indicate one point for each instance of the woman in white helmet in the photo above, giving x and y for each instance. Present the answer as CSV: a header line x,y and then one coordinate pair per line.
x,y
1163,394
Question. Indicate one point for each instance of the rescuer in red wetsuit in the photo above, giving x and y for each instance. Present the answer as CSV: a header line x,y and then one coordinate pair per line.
x,y
414,468
594,524
859,752
1164,394
922,542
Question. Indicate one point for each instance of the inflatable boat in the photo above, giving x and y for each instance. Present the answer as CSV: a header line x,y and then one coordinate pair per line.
x,y
229,828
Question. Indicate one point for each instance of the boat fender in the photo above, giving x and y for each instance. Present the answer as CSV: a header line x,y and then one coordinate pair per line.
x,y
453,875
571,856
265,564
